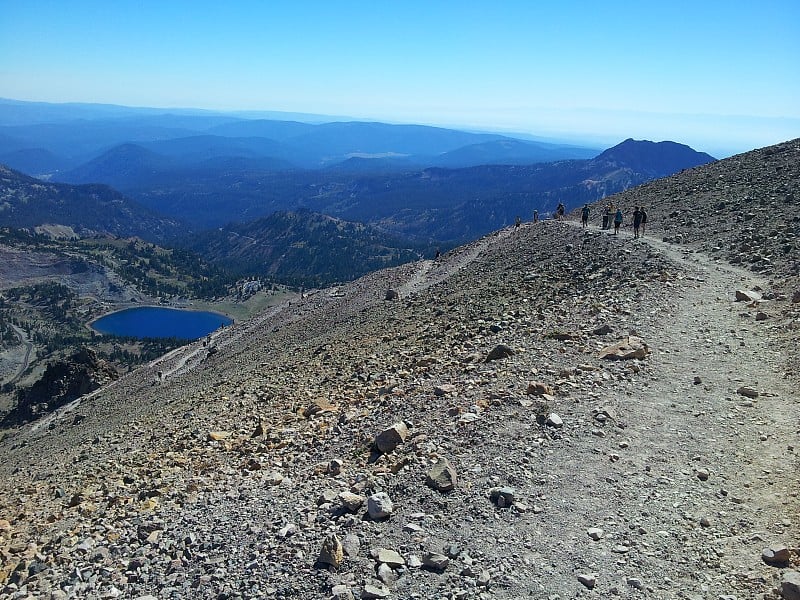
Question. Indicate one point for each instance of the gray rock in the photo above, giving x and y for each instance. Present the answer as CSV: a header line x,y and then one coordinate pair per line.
x,y
388,439
351,502
390,557
747,296
341,592
588,580
379,506
503,497
595,533
435,561
442,476
374,591
553,420
386,574
351,545
747,391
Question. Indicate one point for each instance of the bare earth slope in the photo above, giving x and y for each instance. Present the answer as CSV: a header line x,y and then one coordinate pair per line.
x,y
221,475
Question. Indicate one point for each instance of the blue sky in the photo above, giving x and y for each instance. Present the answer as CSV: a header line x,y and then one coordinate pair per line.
x,y
722,76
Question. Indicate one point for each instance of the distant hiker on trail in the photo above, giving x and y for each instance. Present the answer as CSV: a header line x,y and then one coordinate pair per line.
x,y
438,254
560,211
536,216
606,216
517,222
644,219
637,221
585,216
617,221
609,215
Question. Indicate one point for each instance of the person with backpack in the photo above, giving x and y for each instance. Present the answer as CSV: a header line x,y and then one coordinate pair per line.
x,y
617,221
637,221
644,220
560,211
585,216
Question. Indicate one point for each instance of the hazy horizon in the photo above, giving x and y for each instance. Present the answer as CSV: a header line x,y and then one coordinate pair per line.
x,y
722,77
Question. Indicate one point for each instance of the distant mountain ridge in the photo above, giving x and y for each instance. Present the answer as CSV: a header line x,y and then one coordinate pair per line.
x,y
422,203
74,142
26,202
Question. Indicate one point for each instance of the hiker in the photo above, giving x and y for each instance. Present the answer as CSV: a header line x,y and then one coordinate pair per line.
x,y
605,219
517,222
536,216
644,219
637,221
560,211
609,214
585,216
617,221
438,254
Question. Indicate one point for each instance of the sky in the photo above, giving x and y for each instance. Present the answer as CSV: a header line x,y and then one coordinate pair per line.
x,y
720,75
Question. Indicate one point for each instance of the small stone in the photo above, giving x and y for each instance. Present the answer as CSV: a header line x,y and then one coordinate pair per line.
x,y
388,439
747,296
761,316
351,502
442,476
705,522
331,552
702,474
538,388
216,436
390,557
589,580
747,392
498,352
287,530
445,389
374,591
553,420
503,497
776,555
435,561
414,561
335,466
484,579
341,592
626,349
595,533
351,545
379,506
635,583
697,380
386,574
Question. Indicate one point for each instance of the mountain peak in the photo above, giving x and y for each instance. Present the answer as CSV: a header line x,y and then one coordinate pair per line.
x,y
657,158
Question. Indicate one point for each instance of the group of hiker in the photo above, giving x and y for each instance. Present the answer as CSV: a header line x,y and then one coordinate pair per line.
x,y
615,217
611,216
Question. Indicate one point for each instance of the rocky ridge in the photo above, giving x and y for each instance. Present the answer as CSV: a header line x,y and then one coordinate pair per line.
x,y
546,412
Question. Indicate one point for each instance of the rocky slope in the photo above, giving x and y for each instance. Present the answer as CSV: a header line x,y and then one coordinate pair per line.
x,y
445,429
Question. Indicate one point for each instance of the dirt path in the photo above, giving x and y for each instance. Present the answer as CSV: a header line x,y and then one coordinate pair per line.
x,y
26,360
729,461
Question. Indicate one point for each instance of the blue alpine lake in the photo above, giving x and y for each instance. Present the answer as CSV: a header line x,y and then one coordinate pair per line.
x,y
158,322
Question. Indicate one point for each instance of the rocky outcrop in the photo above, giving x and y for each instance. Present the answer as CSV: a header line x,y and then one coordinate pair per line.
x,y
62,382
